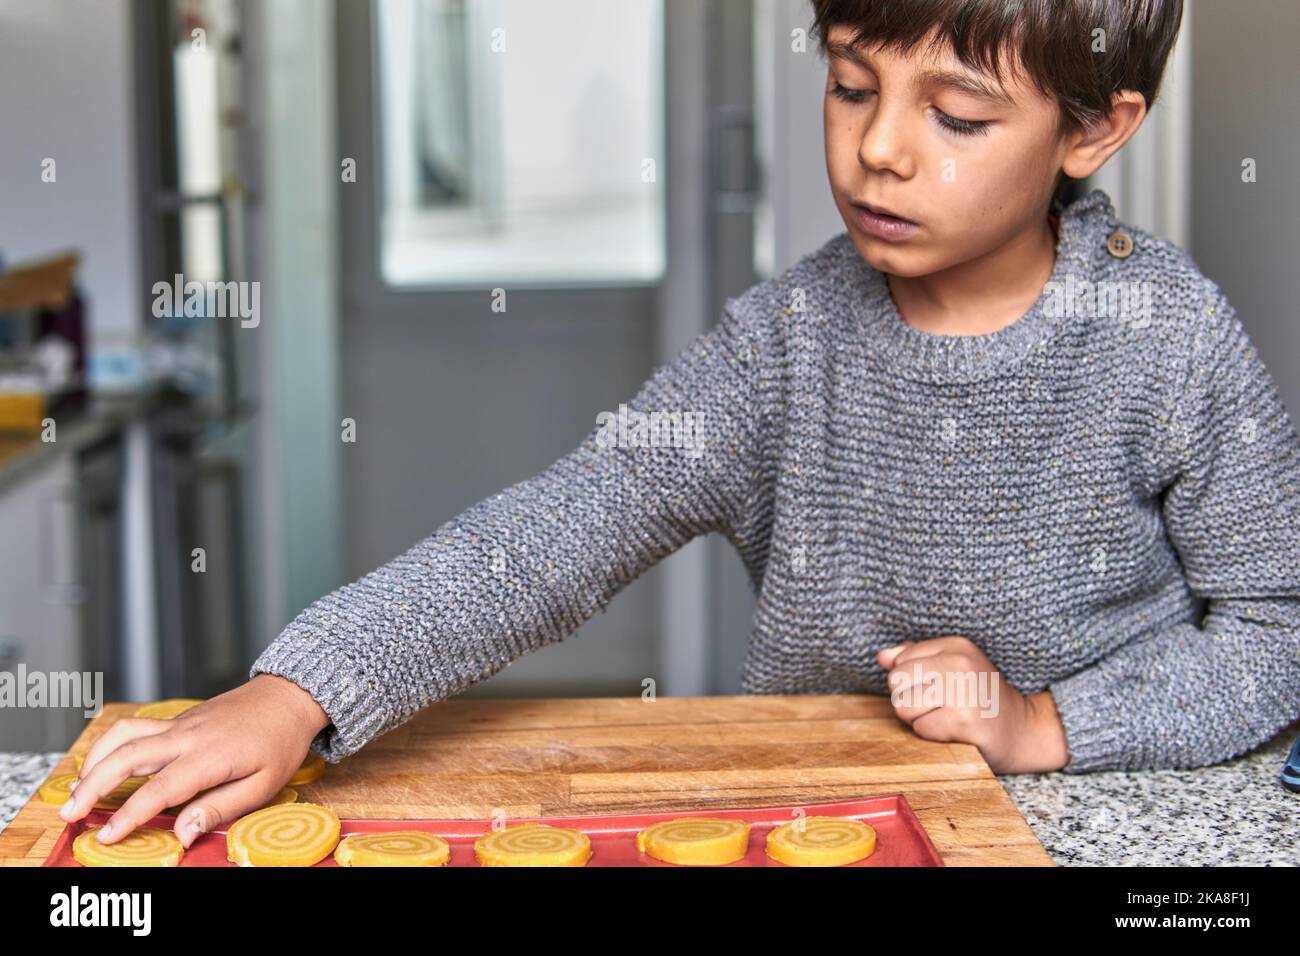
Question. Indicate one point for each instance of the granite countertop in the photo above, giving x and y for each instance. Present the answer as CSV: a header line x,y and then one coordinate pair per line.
x,y
1233,814
21,775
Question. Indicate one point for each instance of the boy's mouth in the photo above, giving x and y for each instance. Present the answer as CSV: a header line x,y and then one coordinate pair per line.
x,y
883,212
883,224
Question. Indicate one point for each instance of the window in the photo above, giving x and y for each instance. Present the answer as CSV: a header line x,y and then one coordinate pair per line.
x,y
520,142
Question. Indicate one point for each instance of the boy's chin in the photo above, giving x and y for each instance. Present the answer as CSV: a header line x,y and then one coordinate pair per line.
x,y
884,256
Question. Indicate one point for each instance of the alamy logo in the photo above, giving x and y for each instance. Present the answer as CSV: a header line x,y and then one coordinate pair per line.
x,y
75,908
215,300
635,429
958,689
56,689
1130,301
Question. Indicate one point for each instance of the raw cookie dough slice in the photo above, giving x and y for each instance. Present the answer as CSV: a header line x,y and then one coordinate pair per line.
x,y
146,846
313,768
533,844
285,795
56,790
395,848
696,841
287,834
167,709
821,841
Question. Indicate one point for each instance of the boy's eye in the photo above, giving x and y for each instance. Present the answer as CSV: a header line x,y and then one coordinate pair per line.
x,y
960,126
849,96
951,123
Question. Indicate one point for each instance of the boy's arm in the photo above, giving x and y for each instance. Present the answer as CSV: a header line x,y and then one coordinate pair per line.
x,y
1189,695
527,566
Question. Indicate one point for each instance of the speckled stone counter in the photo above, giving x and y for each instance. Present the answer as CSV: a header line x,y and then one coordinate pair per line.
x,y
1235,814
21,775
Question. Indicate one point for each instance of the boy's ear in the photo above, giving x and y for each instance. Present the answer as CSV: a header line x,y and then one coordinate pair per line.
x,y
1089,148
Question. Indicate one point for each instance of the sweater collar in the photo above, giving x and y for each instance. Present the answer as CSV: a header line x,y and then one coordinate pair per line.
x,y
927,356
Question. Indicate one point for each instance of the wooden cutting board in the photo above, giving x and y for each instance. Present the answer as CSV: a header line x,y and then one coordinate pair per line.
x,y
466,757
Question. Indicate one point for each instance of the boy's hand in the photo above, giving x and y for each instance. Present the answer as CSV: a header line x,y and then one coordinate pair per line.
x,y
236,750
948,690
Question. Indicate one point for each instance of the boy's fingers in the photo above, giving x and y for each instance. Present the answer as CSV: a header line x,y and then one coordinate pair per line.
x,y
935,724
135,758
902,678
176,783
890,654
892,657
126,729
908,693
222,805
908,651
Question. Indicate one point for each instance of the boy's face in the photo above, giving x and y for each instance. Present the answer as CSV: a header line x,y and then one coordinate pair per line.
x,y
971,171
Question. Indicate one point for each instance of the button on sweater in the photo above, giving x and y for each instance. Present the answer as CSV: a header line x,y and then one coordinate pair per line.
x,y
1104,496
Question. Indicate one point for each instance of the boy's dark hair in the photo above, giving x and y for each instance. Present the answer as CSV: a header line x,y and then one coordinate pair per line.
x,y
1054,39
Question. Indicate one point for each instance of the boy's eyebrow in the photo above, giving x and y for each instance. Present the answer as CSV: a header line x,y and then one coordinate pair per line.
x,y
966,83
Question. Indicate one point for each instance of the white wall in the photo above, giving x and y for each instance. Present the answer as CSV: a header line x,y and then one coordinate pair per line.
x,y
65,93
800,213
1243,234
296,259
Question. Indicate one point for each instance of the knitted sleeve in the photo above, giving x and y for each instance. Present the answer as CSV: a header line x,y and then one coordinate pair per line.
x,y
527,566
1190,695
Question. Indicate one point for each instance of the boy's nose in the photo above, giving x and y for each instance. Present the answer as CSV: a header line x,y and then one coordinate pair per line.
x,y
884,147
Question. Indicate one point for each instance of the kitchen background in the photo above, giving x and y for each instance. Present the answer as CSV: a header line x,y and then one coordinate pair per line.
x,y
376,175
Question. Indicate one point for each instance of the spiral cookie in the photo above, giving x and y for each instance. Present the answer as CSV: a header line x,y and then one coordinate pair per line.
x,y
287,834
146,846
696,841
167,709
821,841
313,768
56,790
532,844
398,848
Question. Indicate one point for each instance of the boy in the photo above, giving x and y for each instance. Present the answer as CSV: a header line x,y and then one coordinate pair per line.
x,y
977,440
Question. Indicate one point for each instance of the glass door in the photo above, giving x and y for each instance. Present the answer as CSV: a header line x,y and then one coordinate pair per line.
x,y
549,200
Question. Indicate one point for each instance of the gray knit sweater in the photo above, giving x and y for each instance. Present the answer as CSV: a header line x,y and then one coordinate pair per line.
x,y
1104,496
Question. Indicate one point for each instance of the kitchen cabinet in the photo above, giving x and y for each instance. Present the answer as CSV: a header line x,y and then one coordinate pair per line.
x,y
42,598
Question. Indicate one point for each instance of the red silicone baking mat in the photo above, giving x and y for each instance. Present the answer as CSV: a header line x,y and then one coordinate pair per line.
x,y
900,838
